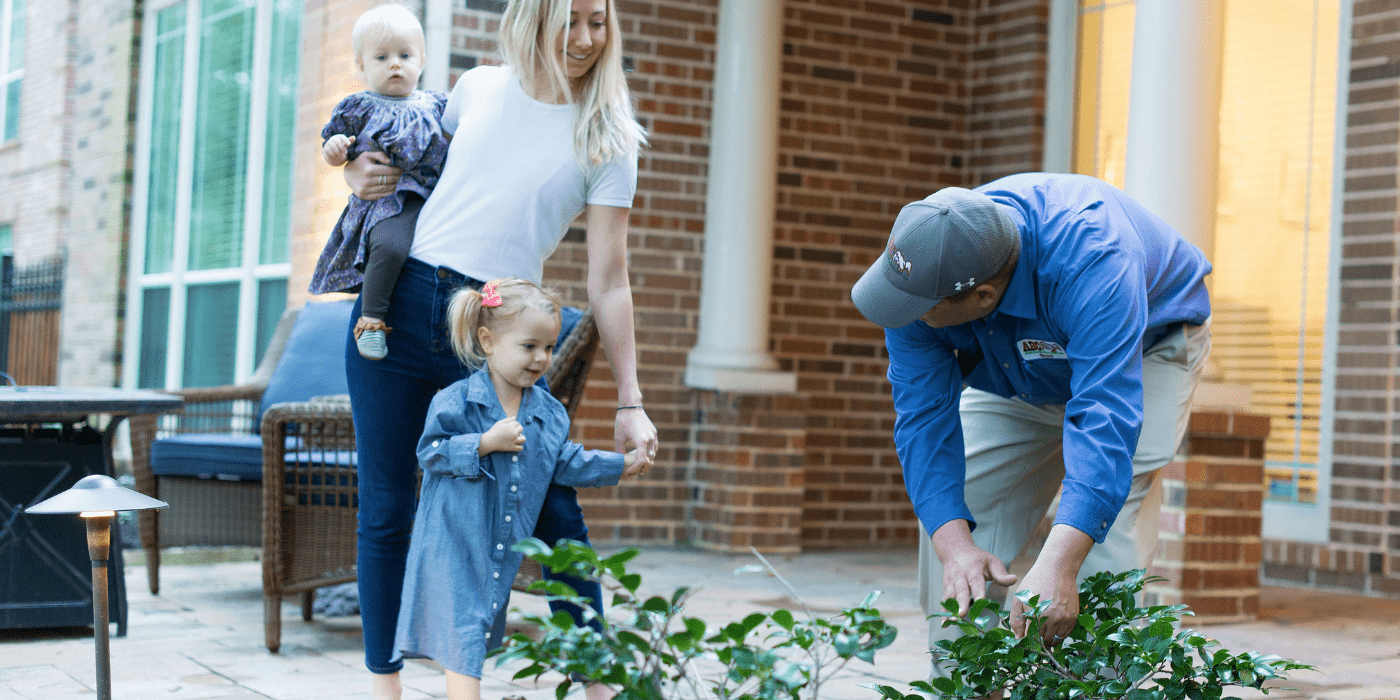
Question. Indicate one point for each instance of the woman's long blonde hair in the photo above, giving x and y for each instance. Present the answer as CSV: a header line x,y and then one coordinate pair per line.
x,y
605,126
465,313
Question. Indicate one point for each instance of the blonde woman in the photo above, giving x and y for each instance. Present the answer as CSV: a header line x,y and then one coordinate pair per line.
x,y
534,143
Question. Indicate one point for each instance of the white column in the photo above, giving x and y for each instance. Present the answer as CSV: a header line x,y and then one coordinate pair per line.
x,y
731,352
1063,57
437,39
1174,113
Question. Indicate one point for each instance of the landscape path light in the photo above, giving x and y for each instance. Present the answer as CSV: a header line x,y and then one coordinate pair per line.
x,y
97,498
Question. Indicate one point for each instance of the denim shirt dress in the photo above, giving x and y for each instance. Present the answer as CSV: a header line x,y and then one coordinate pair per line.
x,y
472,509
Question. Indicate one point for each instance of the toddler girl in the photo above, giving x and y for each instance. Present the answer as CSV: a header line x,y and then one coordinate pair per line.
x,y
372,239
492,444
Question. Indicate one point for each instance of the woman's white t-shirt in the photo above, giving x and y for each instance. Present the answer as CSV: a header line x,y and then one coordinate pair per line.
x,y
511,184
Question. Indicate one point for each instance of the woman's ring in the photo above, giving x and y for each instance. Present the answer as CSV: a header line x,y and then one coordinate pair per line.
x,y
381,180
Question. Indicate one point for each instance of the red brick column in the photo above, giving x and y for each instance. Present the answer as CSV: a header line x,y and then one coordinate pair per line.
x,y
745,472
1210,546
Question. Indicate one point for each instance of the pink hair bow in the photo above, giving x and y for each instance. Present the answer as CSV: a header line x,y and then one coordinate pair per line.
x,y
489,297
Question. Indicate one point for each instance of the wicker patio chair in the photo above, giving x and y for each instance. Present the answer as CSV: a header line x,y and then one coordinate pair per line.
x,y
309,483
217,501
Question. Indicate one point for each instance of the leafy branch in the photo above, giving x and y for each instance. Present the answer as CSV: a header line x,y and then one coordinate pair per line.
x,y
656,652
1116,650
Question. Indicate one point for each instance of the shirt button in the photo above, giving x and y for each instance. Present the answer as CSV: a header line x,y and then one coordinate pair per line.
x,y
512,488
495,574
515,458
1104,525
990,332
1025,396
500,546
435,443
1004,364
495,606
507,518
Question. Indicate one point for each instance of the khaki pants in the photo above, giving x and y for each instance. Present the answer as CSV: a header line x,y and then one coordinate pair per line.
x,y
1015,465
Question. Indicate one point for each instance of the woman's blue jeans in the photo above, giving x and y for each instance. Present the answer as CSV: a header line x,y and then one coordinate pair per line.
x,y
389,399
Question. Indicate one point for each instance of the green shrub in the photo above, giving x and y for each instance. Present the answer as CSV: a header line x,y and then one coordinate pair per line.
x,y
1117,650
660,654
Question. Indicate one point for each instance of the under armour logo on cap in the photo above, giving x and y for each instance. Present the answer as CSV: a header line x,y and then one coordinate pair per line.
x,y
939,246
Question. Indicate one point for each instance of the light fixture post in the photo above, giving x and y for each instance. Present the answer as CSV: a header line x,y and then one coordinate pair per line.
x,y
99,540
97,498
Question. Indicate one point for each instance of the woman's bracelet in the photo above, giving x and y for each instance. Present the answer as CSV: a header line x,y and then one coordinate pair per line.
x,y
624,408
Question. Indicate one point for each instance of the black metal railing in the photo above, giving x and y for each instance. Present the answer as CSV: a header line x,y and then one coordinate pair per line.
x,y
31,299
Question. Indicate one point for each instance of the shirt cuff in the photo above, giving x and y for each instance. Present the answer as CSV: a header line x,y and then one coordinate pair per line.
x,y
1086,512
464,455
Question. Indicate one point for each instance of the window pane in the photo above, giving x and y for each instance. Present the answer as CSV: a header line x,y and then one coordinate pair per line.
x,y
162,189
1276,117
281,124
12,109
1275,172
272,301
1105,66
6,240
221,135
155,337
211,334
16,36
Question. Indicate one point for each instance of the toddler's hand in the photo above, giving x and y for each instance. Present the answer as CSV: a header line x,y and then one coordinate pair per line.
x,y
505,436
630,465
336,148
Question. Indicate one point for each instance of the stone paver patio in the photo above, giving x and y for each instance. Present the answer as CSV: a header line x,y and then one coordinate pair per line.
x,y
202,637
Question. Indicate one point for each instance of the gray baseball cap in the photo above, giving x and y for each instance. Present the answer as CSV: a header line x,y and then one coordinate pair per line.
x,y
948,242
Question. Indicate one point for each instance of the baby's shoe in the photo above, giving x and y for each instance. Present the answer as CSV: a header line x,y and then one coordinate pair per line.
x,y
371,338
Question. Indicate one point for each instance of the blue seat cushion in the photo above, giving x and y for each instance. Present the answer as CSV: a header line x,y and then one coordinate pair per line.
x,y
209,456
313,363
229,457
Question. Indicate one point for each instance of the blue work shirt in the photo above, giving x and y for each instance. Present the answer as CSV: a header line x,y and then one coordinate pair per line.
x,y
1099,280
473,508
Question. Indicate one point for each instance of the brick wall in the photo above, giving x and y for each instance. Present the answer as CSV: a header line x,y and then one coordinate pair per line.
x,y
882,103
66,174
96,220
1362,553
1209,548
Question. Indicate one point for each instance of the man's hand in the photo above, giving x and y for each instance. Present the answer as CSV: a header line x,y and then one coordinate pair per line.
x,y
505,436
1054,577
966,567
335,148
370,176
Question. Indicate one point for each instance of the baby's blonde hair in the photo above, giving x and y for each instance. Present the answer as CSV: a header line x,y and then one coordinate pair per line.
x,y
465,313
390,19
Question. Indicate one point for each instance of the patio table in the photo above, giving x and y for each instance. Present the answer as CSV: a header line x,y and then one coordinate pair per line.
x,y
46,445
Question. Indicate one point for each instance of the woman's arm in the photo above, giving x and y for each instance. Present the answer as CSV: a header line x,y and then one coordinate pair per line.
x,y
370,176
610,295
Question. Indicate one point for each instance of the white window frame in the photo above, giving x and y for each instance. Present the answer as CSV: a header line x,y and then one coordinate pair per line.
x,y
8,75
1312,522
179,278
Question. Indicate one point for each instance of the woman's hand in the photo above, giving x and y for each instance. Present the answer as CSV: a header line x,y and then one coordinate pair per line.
x,y
634,428
371,177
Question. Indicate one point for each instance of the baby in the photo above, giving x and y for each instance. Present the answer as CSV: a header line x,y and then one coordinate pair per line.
x,y
371,240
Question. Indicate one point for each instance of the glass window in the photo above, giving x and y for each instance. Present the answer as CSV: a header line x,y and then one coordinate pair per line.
x,y
6,240
11,64
272,301
213,258
155,329
211,323
169,70
1275,173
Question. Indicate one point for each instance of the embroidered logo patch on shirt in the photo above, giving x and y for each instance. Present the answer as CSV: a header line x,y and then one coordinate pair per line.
x,y
1040,350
